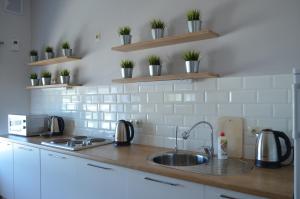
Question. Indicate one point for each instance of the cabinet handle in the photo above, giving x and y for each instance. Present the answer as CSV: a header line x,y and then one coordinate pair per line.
x,y
56,156
227,197
163,182
99,167
25,149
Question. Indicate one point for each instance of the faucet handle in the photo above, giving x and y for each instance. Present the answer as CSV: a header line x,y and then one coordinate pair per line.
x,y
185,135
207,150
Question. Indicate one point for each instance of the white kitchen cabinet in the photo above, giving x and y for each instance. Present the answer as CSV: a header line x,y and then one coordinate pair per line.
x,y
217,193
99,180
149,186
59,177
6,170
26,172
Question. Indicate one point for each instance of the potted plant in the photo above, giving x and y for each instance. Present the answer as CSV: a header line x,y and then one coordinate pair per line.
x,y
46,78
127,68
65,76
192,61
65,49
49,52
124,33
34,79
34,56
154,65
158,28
194,22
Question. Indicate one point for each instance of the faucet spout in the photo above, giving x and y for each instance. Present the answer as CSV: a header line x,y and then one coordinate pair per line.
x,y
186,135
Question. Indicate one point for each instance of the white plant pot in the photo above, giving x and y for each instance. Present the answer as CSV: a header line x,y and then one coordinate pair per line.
x,y
155,70
34,82
46,81
66,52
64,79
194,26
49,55
34,58
157,33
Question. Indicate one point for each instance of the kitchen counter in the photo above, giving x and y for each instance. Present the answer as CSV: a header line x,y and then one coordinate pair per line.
x,y
271,183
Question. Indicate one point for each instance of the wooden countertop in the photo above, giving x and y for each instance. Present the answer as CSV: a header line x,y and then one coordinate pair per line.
x,y
270,183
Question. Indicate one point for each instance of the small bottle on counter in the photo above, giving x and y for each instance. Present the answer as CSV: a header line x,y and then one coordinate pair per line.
x,y
222,146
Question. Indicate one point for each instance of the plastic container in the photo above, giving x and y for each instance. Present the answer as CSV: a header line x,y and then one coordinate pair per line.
x,y
222,146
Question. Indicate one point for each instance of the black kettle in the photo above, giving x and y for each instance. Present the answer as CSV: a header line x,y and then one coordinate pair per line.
x,y
56,125
268,152
124,133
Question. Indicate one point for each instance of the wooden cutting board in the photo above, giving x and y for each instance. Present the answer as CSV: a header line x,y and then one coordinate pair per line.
x,y
233,128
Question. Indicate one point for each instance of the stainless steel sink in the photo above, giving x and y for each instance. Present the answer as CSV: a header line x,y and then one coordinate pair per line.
x,y
199,163
179,159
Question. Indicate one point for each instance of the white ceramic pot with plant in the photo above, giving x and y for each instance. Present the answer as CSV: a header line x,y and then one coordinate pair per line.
x,y
66,50
193,20
154,65
157,28
192,61
34,56
64,76
34,79
127,68
49,54
46,78
124,34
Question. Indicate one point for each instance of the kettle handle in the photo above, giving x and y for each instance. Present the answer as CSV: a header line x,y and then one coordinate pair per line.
x,y
287,141
62,124
131,131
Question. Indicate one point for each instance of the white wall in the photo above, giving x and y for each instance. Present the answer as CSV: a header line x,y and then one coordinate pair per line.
x,y
13,68
258,36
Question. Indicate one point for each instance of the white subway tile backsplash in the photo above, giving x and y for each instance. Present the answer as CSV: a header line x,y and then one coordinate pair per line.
x,y
230,83
123,98
258,82
213,97
109,98
258,110
206,109
153,98
184,109
230,110
272,96
147,108
103,89
206,84
165,108
283,81
264,102
246,96
283,111
172,97
173,119
131,88
139,98
193,97
116,89
183,87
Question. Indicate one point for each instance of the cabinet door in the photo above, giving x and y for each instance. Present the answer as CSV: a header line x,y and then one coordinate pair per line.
x,y
149,186
99,180
6,170
59,178
217,193
26,172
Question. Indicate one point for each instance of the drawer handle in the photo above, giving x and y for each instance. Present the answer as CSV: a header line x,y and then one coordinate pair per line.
x,y
99,167
162,182
227,197
25,149
56,156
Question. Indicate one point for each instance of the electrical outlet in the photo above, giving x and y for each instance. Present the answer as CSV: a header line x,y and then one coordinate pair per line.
x,y
15,47
98,36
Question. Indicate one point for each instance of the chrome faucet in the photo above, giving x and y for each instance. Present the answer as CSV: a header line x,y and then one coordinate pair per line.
x,y
186,134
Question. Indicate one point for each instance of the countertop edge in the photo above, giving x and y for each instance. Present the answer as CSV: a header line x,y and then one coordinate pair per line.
x,y
161,171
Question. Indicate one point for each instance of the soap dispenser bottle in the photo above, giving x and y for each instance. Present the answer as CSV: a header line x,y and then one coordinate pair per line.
x,y
222,146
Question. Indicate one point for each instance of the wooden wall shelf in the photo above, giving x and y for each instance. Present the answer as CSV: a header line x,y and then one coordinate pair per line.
x,y
53,86
182,76
169,40
55,60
